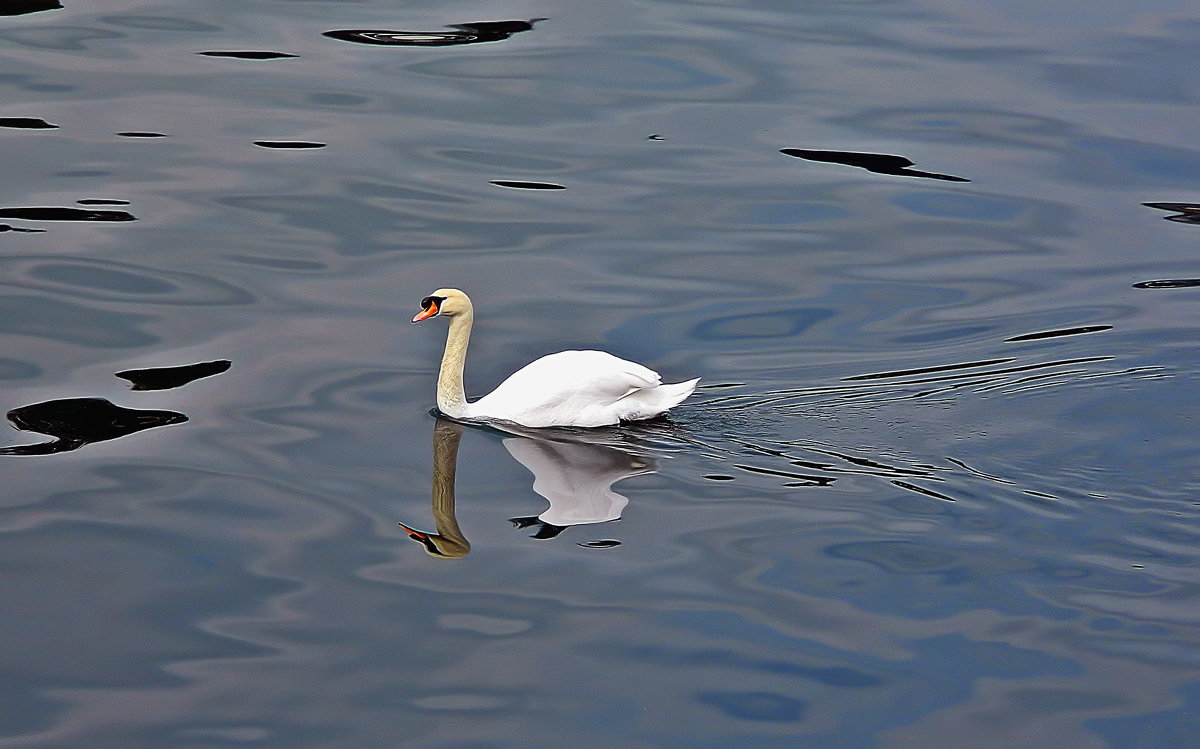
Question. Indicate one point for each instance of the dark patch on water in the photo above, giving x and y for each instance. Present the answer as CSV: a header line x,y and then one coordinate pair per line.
x,y
466,33
21,7
523,185
64,214
1058,333
717,477
141,134
295,144
1169,283
879,163
76,422
1185,213
26,123
600,543
249,55
923,490
165,378
101,201
6,227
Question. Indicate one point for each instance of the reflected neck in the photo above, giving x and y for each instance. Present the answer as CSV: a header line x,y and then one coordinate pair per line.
x,y
446,435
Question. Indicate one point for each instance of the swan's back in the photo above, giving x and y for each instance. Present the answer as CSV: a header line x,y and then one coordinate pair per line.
x,y
580,388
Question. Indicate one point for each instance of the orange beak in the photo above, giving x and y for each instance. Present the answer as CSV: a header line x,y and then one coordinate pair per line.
x,y
426,313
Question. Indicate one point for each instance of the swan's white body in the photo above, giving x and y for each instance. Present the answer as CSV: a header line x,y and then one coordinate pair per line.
x,y
570,388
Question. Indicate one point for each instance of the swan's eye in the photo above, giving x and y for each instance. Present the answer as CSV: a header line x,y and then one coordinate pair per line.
x,y
432,301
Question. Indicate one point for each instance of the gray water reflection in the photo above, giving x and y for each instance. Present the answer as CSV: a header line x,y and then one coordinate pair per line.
x,y
573,470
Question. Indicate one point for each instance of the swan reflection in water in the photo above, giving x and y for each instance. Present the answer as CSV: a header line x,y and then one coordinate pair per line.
x,y
574,471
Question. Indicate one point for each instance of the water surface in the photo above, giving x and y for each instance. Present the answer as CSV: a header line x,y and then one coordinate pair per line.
x,y
939,487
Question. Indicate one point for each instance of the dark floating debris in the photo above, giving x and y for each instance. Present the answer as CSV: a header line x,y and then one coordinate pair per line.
x,y
718,477
926,370
1057,333
21,7
466,33
879,163
517,184
65,214
141,134
101,201
923,490
655,136
296,144
6,227
1186,213
165,378
600,543
26,123
1170,283
249,55
76,422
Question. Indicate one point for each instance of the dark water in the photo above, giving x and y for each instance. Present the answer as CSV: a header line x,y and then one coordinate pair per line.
x,y
940,487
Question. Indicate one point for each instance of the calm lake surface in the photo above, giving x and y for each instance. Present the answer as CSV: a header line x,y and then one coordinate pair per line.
x,y
940,486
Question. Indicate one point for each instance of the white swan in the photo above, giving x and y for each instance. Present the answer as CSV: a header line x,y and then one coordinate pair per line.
x,y
570,388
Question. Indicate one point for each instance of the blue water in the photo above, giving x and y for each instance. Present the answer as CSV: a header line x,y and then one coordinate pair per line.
x,y
939,487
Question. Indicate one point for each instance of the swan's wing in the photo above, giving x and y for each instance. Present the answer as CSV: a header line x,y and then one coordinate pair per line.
x,y
591,376
577,388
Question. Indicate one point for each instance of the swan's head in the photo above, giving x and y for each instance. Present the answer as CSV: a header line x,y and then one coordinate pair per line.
x,y
448,302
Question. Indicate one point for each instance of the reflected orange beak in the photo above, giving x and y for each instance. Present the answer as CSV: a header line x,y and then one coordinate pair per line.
x,y
416,534
426,313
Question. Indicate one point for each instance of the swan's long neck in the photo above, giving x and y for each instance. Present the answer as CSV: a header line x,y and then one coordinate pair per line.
x,y
451,398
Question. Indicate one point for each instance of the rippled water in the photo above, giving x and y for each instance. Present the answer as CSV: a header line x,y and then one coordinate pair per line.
x,y
939,486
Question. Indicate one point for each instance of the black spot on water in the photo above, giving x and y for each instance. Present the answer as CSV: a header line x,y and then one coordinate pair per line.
x,y
522,185
249,55
21,7
464,33
1169,283
1058,333
101,201
6,227
295,144
165,378
1185,213
64,214
879,163
805,479
141,134
76,422
926,370
600,543
718,477
923,490
26,123
655,136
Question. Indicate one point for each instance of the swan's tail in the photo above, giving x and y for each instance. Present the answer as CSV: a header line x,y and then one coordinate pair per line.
x,y
647,403
674,393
